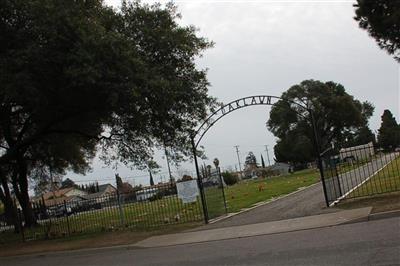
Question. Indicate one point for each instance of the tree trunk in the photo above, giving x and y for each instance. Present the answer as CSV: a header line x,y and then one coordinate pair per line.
x,y
20,184
10,211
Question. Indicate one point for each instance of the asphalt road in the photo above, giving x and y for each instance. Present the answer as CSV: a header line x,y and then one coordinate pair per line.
x,y
309,201
367,243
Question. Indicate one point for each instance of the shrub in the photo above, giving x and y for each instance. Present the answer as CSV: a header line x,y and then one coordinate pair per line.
x,y
159,195
229,178
268,172
185,178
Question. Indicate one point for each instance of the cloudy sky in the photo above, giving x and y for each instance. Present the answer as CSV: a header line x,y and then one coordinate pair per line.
x,y
264,47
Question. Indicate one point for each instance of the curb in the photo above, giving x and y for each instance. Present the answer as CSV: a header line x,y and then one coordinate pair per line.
x,y
133,246
376,216
258,229
58,253
259,204
383,215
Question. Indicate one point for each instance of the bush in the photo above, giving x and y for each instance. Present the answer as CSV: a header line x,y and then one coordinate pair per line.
x,y
159,195
268,172
229,178
185,178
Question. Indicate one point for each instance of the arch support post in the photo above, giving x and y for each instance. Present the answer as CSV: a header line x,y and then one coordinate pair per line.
x,y
319,158
199,182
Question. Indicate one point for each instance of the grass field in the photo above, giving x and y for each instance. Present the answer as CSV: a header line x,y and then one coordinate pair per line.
x,y
135,216
386,180
249,192
168,210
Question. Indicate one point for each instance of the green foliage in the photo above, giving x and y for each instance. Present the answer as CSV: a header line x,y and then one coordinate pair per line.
x,y
381,18
389,132
262,162
77,76
186,178
229,178
267,172
246,194
91,188
151,179
159,195
68,183
295,147
250,160
118,181
337,114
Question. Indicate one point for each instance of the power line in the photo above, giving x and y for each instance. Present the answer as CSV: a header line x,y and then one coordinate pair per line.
x,y
266,149
237,152
169,168
113,179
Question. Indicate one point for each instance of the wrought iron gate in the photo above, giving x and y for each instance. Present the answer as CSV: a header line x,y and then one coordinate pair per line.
x,y
360,171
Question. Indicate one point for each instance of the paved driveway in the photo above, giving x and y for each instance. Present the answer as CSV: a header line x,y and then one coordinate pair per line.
x,y
309,201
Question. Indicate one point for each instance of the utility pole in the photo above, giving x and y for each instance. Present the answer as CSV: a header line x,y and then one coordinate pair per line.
x,y
240,166
266,149
169,168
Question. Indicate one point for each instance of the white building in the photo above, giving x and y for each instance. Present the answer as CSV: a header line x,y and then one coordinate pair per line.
x,y
145,194
360,152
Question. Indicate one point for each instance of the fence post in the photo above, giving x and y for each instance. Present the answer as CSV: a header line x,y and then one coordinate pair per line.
x,y
318,153
121,211
66,213
223,189
200,183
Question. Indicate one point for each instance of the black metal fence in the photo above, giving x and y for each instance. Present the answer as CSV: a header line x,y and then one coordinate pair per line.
x,y
214,192
359,172
142,209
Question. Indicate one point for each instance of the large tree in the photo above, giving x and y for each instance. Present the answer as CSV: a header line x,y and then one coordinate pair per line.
x,y
81,73
68,183
336,114
381,18
389,132
250,160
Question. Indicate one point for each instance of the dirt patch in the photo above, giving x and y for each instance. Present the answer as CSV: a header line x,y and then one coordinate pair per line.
x,y
97,240
379,203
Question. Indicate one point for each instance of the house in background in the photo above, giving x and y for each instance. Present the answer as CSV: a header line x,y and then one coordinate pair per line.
x,y
68,195
146,193
358,153
281,168
105,190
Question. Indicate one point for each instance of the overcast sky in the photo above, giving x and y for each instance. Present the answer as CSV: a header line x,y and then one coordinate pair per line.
x,y
264,47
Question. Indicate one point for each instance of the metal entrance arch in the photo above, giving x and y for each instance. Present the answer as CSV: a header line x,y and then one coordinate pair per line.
x,y
228,108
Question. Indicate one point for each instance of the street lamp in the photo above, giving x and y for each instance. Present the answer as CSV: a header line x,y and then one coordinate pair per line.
x,y
216,163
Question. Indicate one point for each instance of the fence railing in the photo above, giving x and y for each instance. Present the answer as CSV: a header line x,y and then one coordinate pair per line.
x,y
360,172
145,208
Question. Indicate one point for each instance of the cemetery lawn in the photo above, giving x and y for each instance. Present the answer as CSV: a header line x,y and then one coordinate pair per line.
x,y
160,214
250,192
